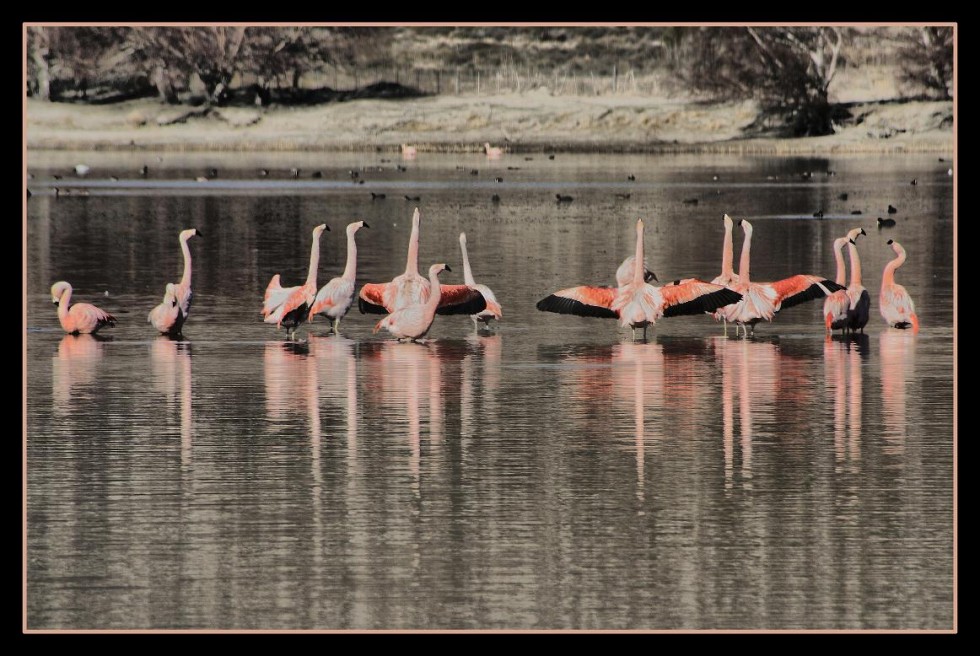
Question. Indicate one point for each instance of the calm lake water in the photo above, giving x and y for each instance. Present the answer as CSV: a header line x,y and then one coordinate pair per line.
x,y
548,475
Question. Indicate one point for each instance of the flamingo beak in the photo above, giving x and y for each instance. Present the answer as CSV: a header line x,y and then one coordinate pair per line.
x,y
650,275
852,241
199,233
364,224
863,232
174,304
739,222
447,268
55,302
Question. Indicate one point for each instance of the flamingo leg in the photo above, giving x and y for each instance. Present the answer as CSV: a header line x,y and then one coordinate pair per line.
x,y
336,326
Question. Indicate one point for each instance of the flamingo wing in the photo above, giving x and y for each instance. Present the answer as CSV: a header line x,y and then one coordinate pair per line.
x,y
296,300
693,296
184,298
460,299
88,318
371,298
275,295
335,293
584,301
801,288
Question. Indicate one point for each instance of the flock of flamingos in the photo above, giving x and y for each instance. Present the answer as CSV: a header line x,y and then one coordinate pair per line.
x,y
410,301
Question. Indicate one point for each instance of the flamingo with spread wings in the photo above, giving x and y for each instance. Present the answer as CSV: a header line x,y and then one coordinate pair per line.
x,y
413,321
81,318
762,300
290,305
410,288
896,305
637,303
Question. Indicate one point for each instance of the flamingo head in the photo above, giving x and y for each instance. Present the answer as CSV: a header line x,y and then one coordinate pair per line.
x,y
746,226
355,226
729,222
317,231
190,232
462,238
438,268
853,234
58,291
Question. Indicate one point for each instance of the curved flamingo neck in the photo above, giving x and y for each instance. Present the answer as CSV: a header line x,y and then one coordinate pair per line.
x,y
727,253
638,257
841,278
412,265
467,271
743,263
63,303
314,261
855,264
435,293
350,271
888,277
186,279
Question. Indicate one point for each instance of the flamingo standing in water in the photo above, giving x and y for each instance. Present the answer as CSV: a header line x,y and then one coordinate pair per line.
x,y
637,303
410,288
413,321
409,152
492,151
728,277
334,299
290,305
81,318
492,310
896,305
169,322
859,300
836,305
762,300
168,314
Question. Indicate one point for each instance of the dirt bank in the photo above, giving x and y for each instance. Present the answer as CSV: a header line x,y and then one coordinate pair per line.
x,y
528,122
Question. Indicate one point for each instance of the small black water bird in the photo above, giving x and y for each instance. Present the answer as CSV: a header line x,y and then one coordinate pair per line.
x,y
144,171
856,212
631,177
623,196
495,198
843,196
212,172
513,168
474,172
885,223
294,172
353,174
892,210
551,156
317,174
914,182
818,214
690,201
498,179
375,196
401,168
413,197
564,199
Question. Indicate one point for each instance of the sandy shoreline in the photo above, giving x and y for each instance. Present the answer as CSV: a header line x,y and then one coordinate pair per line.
x,y
524,123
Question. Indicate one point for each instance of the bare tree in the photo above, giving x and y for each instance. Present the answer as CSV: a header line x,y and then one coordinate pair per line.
x,y
927,59
789,69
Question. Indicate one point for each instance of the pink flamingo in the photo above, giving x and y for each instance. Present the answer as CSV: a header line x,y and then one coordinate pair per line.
x,y
290,305
492,310
335,298
409,152
638,303
168,315
81,318
410,288
728,277
168,321
859,301
492,151
835,306
413,321
762,300
897,307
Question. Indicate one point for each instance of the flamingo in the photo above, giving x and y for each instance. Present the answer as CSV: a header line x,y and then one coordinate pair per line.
x,y
81,318
859,306
492,310
182,291
492,151
836,305
167,317
728,277
897,307
409,152
638,303
334,299
410,288
290,305
762,300
413,321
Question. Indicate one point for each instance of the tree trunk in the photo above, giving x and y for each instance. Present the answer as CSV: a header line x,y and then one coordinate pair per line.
x,y
165,89
39,55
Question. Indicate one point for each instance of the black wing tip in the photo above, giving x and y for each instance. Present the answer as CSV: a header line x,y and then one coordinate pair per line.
x,y
811,293
832,286
707,303
562,305
369,308
472,306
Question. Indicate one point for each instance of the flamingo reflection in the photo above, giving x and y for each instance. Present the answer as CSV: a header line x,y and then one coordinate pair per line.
x,y
478,398
897,355
171,364
843,380
74,366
